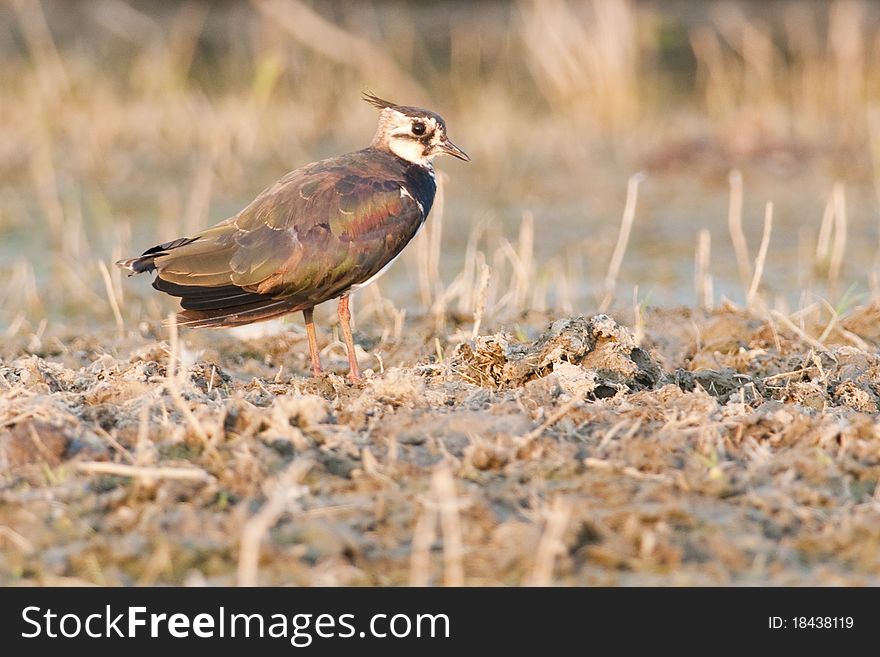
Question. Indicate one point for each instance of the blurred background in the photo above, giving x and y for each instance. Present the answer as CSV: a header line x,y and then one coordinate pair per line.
x,y
623,152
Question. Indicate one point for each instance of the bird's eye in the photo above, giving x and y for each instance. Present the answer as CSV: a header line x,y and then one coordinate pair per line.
x,y
418,128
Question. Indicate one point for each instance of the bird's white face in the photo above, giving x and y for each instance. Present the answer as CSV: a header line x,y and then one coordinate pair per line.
x,y
415,138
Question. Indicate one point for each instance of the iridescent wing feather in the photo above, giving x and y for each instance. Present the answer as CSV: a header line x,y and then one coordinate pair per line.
x,y
306,239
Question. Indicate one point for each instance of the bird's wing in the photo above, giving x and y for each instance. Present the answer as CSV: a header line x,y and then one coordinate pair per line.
x,y
309,237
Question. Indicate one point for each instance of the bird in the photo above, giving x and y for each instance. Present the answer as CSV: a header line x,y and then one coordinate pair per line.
x,y
318,233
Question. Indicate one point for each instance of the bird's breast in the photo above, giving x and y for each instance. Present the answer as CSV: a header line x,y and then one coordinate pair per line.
x,y
420,184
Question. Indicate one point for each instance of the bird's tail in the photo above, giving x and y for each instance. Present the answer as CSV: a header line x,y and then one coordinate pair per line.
x,y
209,305
146,261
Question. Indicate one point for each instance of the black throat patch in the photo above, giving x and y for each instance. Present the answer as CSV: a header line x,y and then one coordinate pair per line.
x,y
420,183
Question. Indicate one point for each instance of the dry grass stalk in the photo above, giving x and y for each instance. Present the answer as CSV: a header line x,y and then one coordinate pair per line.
x,y
524,270
554,417
735,226
174,381
145,474
823,241
197,205
473,260
195,424
10,537
38,36
629,214
638,319
762,256
337,44
285,490
171,371
38,444
480,299
834,323
798,331
590,60
144,450
702,277
159,562
838,247
111,296
373,470
427,251
22,293
551,545
448,506
124,453
424,535
873,125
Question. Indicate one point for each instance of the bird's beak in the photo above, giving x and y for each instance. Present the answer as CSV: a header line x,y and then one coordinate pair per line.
x,y
449,148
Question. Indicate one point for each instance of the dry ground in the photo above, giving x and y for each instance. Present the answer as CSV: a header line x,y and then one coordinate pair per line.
x,y
677,447
724,447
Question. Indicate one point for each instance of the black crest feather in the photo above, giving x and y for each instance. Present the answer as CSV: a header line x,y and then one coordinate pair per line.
x,y
416,112
375,101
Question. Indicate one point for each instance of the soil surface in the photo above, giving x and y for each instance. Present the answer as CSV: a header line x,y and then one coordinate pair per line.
x,y
679,448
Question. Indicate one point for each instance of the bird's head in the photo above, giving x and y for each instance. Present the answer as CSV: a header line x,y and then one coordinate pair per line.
x,y
411,133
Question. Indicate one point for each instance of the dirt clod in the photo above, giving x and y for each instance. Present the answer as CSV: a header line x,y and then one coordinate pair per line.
x,y
595,356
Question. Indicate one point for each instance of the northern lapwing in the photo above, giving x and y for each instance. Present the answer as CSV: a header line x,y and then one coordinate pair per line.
x,y
318,233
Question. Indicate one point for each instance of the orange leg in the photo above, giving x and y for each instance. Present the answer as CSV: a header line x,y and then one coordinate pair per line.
x,y
313,342
354,372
